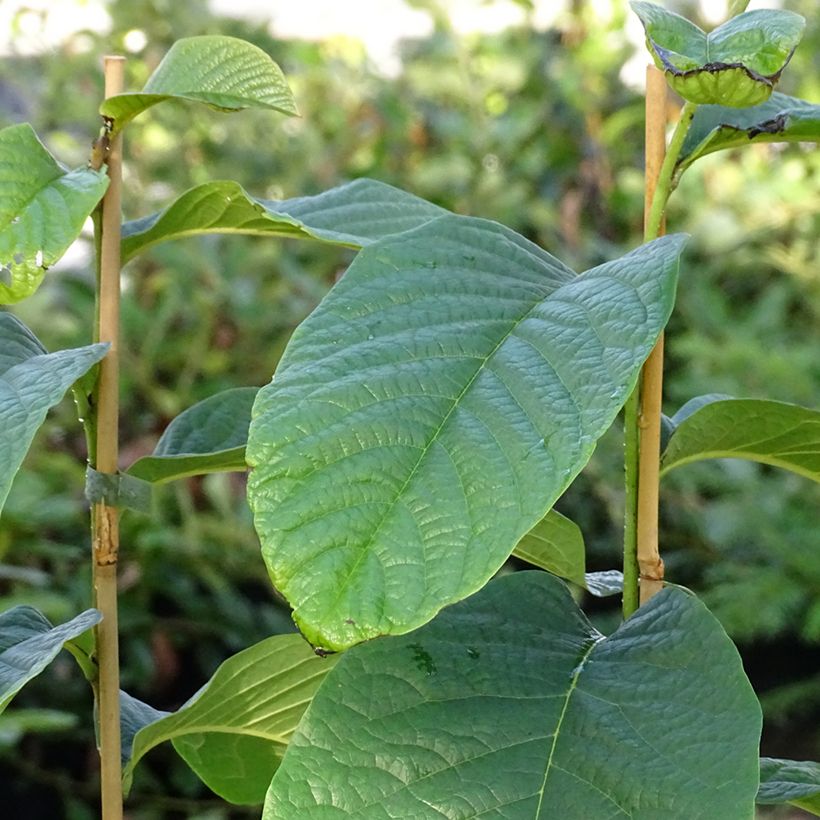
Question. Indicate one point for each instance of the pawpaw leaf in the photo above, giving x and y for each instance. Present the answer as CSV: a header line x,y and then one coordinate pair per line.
x,y
790,781
556,545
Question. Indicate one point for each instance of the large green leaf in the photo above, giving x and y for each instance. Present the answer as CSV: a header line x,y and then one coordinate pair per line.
x,y
431,410
31,381
555,544
737,64
225,73
42,210
779,119
234,731
790,781
511,705
771,432
29,643
209,437
354,214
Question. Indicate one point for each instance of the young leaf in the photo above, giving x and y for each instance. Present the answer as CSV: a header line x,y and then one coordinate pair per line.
x,y
738,64
555,544
225,73
790,781
42,210
510,704
31,382
209,437
354,214
245,714
431,410
771,432
779,119
29,643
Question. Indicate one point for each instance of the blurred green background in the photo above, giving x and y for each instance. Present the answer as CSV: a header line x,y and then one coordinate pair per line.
x,y
530,126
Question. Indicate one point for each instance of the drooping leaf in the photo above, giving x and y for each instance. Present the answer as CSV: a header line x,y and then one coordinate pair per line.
x,y
234,731
42,210
738,64
605,583
31,382
225,73
770,432
431,410
555,544
511,705
29,643
790,781
354,214
779,119
209,437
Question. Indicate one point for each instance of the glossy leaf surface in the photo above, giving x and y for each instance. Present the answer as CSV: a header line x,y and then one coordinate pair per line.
x,y
209,437
225,73
431,410
29,643
42,210
234,732
555,544
511,705
770,432
737,64
790,781
354,214
31,382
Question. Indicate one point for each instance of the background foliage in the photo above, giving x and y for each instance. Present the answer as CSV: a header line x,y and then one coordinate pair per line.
x,y
532,128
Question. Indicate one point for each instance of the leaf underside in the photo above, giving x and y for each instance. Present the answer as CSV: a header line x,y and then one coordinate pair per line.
x,y
431,410
790,781
510,705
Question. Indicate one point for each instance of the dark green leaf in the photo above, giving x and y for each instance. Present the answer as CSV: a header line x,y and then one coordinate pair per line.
x,y
234,731
42,210
354,214
511,705
31,382
555,544
431,410
771,432
737,64
209,437
225,73
790,781
29,643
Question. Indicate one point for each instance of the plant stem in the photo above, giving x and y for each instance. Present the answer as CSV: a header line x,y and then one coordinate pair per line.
x,y
642,413
105,519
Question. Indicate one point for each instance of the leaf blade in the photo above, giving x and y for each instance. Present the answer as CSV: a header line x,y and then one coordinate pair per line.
x,y
555,544
790,781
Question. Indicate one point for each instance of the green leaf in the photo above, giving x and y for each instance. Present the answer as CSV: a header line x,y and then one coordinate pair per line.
x,y
606,583
738,64
29,643
354,214
555,544
16,723
42,210
234,731
31,382
771,432
431,410
225,73
511,705
209,437
790,781
779,119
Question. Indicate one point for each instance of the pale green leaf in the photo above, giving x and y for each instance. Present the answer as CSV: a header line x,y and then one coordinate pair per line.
x,y
31,382
209,437
234,731
605,583
738,64
718,127
29,643
225,73
354,214
431,410
790,781
511,705
42,210
16,723
555,544
770,432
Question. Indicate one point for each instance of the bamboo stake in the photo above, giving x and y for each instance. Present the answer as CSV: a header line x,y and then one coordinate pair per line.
x,y
105,519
